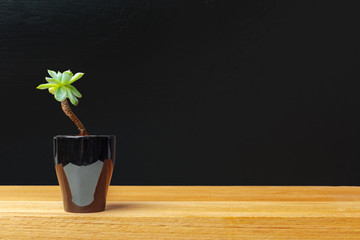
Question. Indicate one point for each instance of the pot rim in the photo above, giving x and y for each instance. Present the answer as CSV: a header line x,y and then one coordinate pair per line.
x,y
87,136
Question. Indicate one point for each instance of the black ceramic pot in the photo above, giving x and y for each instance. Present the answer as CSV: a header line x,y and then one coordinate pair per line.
x,y
84,166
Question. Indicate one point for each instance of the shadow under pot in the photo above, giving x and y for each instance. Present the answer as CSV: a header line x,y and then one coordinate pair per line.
x,y
84,166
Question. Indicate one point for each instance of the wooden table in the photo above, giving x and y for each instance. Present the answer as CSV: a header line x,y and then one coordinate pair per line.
x,y
185,212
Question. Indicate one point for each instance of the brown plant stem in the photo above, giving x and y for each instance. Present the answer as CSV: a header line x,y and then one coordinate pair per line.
x,y
67,110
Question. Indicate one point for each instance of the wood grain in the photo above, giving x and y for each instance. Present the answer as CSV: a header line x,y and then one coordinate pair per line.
x,y
185,212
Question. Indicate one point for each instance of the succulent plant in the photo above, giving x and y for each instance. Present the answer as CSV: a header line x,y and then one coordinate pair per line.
x,y
60,86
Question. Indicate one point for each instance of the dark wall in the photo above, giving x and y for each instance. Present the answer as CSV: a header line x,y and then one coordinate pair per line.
x,y
197,91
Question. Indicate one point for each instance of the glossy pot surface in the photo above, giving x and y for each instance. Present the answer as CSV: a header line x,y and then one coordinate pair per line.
x,y
84,166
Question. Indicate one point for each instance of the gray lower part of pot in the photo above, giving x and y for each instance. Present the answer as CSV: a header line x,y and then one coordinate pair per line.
x,y
83,181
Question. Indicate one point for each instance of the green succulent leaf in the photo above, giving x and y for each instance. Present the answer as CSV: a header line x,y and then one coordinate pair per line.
x,y
72,98
74,91
51,80
60,93
52,74
52,90
46,85
76,77
59,76
66,76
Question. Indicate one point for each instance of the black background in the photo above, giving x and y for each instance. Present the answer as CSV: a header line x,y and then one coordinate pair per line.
x,y
198,92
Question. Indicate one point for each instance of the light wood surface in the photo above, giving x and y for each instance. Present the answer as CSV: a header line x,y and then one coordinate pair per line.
x,y
186,212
